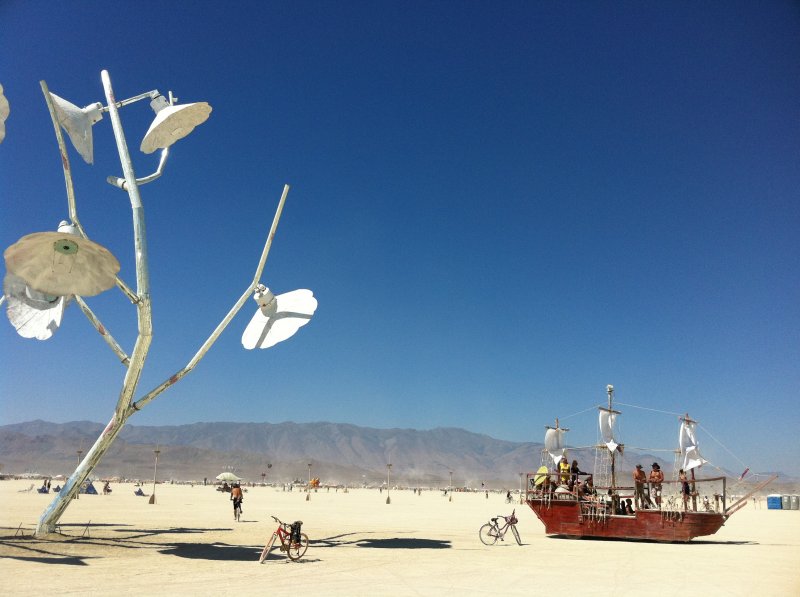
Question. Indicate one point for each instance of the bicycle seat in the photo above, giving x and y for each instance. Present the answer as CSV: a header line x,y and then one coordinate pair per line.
x,y
494,520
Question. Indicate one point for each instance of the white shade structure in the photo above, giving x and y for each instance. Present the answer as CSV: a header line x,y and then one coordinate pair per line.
x,y
61,264
32,313
278,317
172,123
227,476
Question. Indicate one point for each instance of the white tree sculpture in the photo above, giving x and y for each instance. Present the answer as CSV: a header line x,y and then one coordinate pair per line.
x,y
45,270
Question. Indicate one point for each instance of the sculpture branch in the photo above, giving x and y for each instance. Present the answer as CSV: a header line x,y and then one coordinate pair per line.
x,y
101,329
71,203
139,404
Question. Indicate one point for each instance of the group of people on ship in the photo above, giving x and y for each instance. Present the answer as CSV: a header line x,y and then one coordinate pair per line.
x,y
569,480
640,482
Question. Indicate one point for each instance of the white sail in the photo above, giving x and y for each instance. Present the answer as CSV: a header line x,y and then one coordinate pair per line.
x,y
554,444
607,420
33,314
689,449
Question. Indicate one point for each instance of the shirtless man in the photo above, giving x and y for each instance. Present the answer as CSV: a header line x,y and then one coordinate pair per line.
x,y
639,479
656,479
236,497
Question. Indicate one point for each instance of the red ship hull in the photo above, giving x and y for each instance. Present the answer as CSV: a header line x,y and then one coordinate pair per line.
x,y
577,519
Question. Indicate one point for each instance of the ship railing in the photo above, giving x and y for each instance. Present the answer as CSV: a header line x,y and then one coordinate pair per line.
x,y
558,486
704,495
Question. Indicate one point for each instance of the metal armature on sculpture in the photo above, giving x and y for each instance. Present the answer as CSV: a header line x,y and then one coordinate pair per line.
x,y
38,287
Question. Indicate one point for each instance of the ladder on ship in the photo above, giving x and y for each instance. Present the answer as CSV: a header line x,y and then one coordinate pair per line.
x,y
602,466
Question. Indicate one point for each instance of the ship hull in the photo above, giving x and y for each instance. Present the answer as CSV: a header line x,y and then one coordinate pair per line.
x,y
578,519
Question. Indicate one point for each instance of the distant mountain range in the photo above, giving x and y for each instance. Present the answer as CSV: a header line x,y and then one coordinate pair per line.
x,y
337,452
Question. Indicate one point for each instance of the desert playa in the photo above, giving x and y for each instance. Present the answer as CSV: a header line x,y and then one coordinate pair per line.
x,y
420,544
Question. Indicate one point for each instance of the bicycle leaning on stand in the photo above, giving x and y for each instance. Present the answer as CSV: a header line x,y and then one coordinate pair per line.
x,y
492,530
292,541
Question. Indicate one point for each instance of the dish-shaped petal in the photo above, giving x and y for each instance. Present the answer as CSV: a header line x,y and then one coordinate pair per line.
x,y
32,313
62,264
294,310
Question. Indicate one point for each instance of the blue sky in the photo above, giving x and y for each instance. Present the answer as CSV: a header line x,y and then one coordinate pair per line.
x,y
501,208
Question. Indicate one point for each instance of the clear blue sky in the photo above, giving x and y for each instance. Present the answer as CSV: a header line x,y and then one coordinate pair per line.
x,y
501,207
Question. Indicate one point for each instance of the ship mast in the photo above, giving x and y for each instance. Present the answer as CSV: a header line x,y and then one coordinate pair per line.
x,y
685,419
612,447
610,392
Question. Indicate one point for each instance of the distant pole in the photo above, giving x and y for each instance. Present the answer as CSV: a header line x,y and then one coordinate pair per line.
x,y
263,478
155,474
388,474
308,494
451,487
520,488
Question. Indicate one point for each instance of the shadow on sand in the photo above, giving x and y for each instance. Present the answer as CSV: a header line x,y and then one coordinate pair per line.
x,y
357,540
139,533
404,543
213,551
63,549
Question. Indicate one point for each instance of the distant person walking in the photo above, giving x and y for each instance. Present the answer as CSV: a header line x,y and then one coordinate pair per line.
x,y
237,498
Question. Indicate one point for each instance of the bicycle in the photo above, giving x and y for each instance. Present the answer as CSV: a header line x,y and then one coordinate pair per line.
x,y
492,531
293,542
237,509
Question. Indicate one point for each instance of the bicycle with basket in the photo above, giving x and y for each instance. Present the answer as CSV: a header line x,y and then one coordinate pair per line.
x,y
494,530
291,540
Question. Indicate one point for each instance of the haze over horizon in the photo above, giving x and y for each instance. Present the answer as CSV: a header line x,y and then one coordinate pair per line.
x,y
501,208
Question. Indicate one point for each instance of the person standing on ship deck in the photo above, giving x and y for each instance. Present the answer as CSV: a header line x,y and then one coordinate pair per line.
x,y
639,479
656,479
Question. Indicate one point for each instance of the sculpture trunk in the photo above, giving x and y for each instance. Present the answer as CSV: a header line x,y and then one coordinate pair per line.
x,y
51,516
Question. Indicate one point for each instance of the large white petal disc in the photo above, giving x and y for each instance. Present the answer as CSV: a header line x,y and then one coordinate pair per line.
x,y
294,310
62,264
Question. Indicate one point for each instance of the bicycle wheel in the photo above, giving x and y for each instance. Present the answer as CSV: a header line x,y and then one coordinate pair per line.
x,y
298,548
267,549
516,534
488,534
238,513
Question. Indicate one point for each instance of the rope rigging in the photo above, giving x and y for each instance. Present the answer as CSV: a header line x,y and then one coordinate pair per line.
x,y
665,450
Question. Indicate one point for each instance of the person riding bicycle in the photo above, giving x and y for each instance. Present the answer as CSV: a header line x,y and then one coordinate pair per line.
x,y
237,498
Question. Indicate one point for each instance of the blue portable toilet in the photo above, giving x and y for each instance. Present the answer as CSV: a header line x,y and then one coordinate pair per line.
x,y
774,502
